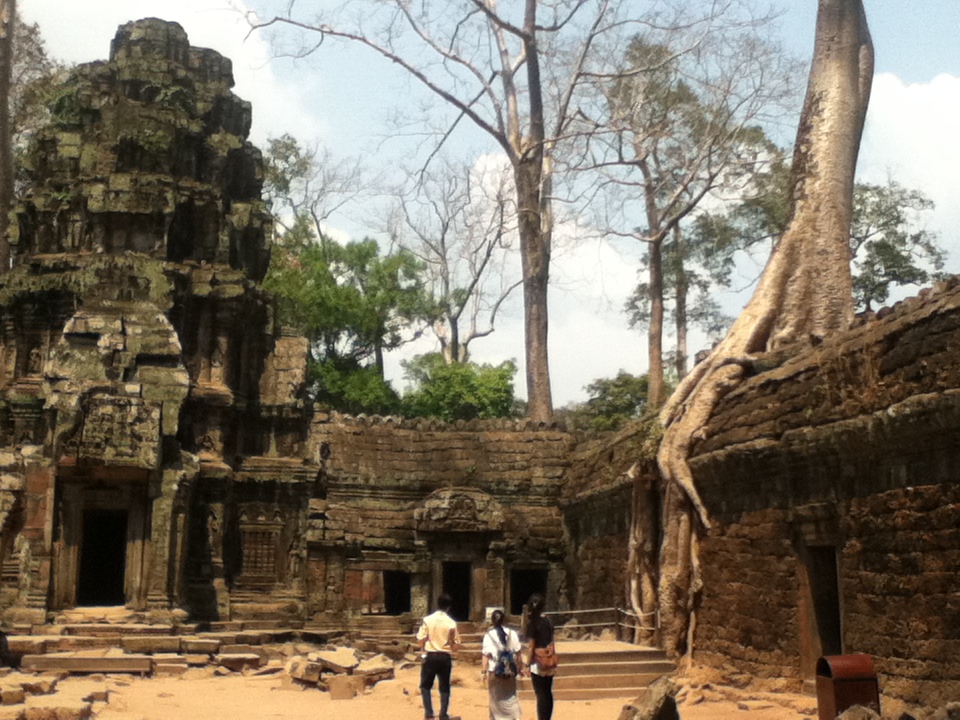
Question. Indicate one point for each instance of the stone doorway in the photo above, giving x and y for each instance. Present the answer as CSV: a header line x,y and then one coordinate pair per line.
x,y
523,584
456,582
825,597
821,630
102,529
396,592
103,557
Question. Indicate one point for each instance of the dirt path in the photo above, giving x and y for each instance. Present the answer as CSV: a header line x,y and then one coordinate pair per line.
x,y
200,696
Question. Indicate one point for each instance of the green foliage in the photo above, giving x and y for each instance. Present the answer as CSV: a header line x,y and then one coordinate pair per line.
x,y
350,302
352,388
612,403
889,245
33,83
458,391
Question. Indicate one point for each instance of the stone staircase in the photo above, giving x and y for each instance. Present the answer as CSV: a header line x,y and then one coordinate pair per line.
x,y
127,645
593,670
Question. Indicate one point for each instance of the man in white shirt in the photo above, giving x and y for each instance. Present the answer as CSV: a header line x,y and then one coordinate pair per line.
x,y
438,638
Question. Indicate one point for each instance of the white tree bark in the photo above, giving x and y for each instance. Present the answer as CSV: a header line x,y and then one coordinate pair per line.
x,y
804,293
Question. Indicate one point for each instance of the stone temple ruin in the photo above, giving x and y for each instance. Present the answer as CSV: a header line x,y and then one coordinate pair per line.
x,y
157,452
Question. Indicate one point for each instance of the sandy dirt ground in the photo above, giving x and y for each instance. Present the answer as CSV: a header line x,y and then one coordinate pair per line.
x,y
198,695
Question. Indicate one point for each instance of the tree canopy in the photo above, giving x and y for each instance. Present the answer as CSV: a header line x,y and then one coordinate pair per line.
x,y
458,391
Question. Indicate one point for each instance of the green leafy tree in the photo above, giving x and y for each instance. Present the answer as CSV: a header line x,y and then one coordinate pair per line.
x,y
612,403
458,391
352,304
888,243
350,301
890,247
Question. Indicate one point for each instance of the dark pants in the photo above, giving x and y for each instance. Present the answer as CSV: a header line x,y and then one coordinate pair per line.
x,y
543,689
435,665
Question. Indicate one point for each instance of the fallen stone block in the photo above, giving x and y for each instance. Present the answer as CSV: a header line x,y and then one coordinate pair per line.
x,y
375,669
241,649
166,669
54,707
344,687
39,684
342,660
12,695
304,670
238,661
658,702
859,712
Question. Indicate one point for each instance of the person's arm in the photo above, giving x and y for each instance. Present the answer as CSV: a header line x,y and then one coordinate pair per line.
x,y
518,652
422,636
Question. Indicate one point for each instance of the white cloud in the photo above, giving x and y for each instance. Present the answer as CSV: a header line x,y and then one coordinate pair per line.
x,y
911,135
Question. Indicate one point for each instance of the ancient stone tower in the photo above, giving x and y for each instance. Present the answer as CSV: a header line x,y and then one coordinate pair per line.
x,y
156,449
143,388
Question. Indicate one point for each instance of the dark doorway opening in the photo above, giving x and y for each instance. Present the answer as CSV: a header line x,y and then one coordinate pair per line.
x,y
456,583
825,593
103,557
396,592
523,584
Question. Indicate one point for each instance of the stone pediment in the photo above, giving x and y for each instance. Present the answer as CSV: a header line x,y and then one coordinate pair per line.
x,y
459,510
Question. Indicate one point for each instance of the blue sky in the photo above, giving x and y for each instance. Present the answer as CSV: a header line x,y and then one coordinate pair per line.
x,y
340,97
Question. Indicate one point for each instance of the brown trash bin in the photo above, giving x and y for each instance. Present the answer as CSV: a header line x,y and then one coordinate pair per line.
x,y
844,681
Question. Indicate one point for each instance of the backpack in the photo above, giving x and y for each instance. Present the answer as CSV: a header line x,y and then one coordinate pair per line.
x,y
506,664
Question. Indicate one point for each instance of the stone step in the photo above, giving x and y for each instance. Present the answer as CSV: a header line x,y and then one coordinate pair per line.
x,y
109,629
581,656
88,663
560,694
656,667
589,682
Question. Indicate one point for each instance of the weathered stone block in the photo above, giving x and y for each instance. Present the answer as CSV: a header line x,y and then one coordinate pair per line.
x,y
344,687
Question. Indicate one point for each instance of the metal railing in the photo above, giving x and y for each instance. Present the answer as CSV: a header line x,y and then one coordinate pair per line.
x,y
620,620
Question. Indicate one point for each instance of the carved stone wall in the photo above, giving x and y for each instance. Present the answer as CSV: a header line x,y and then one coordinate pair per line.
x,y
832,480
411,496
134,341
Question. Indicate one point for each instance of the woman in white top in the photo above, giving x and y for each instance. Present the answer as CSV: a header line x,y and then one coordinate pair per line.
x,y
498,642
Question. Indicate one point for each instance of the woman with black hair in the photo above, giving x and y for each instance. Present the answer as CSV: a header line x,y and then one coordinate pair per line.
x,y
542,656
502,664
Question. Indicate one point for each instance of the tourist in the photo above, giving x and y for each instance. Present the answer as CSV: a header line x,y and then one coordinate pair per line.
x,y
502,664
541,657
438,639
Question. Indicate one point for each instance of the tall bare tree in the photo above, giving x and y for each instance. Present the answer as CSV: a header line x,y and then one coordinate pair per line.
x,y
517,73
804,292
8,22
459,222
681,123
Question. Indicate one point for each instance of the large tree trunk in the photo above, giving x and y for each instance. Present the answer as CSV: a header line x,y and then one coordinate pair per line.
x,y
535,261
8,18
532,172
804,292
682,288
656,393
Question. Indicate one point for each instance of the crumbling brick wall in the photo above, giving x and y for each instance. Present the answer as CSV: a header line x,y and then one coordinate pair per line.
x,y
848,446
